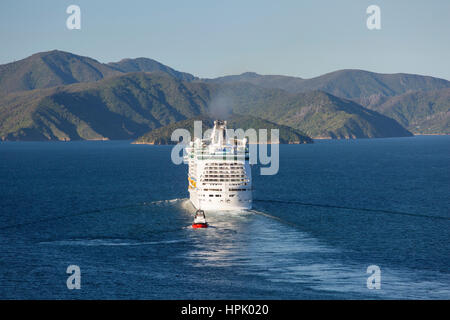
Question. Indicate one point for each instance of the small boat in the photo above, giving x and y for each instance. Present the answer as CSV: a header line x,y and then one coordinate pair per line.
x,y
199,220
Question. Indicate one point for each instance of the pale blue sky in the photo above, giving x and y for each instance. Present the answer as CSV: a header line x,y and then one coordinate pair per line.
x,y
210,38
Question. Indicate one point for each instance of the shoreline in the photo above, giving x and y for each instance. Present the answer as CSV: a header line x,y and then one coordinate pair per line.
x,y
157,144
431,134
172,144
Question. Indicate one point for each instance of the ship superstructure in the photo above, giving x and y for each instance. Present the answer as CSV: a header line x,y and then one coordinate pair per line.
x,y
219,171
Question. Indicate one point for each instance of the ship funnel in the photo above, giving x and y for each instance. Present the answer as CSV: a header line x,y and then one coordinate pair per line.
x,y
219,134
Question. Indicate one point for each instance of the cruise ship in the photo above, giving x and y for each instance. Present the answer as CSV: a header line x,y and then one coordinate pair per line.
x,y
219,171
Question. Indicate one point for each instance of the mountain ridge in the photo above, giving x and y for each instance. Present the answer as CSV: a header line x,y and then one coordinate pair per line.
x,y
45,89
423,112
317,113
369,89
129,105
54,68
387,84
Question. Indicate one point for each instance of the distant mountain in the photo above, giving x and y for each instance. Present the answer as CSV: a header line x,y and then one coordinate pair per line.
x,y
56,68
148,65
347,83
362,86
50,69
420,111
127,106
321,114
58,95
120,107
369,89
366,87
290,84
317,113
163,135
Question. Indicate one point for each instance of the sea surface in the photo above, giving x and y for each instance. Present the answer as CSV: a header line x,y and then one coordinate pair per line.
x,y
120,212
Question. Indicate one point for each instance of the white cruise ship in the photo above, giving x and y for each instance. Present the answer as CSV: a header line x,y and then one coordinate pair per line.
x,y
219,171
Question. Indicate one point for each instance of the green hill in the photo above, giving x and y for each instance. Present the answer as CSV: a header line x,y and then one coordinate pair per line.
x,y
290,84
372,90
50,69
425,112
417,102
56,68
148,65
121,107
316,113
127,106
60,95
362,86
163,135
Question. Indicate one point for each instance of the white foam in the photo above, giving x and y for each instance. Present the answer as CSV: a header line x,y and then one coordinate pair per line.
x,y
279,251
107,242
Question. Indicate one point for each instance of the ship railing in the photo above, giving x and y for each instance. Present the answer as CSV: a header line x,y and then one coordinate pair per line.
x,y
221,157
221,153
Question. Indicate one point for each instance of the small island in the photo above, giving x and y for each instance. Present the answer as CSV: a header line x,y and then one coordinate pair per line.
x,y
162,135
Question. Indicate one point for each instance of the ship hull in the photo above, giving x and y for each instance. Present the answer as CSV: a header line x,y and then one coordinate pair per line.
x,y
219,195
244,202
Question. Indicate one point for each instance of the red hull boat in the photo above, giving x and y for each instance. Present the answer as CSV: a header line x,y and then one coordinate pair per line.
x,y
200,220
199,225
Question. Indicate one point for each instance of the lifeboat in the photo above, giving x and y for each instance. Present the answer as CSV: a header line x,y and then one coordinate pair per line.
x,y
199,220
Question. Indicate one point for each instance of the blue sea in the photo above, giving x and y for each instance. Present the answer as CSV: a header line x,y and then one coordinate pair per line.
x,y
121,213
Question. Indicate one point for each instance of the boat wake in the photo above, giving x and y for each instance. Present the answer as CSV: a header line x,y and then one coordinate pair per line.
x,y
108,242
264,245
165,202
260,244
